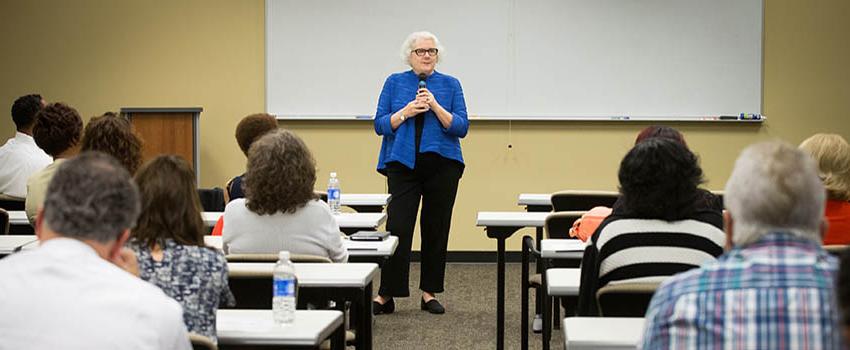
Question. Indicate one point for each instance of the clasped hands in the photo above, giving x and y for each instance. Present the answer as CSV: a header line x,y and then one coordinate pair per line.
x,y
423,102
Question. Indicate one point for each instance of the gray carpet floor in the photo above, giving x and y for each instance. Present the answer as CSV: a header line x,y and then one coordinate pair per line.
x,y
470,318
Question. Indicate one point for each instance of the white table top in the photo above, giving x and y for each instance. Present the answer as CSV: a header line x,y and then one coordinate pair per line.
x,y
345,220
256,327
8,243
546,198
585,333
562,248
383,248
535,199
563,282
511,218
355,248
356,275
18,217
364,199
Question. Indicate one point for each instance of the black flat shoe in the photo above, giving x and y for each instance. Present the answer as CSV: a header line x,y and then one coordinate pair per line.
x,y
387,307
433,306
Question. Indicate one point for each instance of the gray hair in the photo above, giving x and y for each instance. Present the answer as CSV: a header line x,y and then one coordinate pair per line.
x,y
92,197
407,46
774,187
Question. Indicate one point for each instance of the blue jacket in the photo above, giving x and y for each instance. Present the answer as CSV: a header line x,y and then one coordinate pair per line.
x,y
399,145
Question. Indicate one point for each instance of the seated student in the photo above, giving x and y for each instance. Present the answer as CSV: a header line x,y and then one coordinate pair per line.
x,y
113,134
280,210
248,130
169,243
78,289
832,155
774,288
585,226
20,157
57,131
660,227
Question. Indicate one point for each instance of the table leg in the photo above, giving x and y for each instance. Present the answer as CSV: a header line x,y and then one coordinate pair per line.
x,y
364,334
547,313
524,296
500,295
338,337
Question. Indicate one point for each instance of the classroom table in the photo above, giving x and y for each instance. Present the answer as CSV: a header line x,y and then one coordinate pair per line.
x,y
18,217
348,222
543,201
500,226
557,282
257,328
10,243
356,249
346,282
560,248
365,202
590,333
536,201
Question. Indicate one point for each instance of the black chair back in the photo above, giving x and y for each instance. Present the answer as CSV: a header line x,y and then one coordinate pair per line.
x,y
212,199
583,200
558,224
4,222
625,300
10,204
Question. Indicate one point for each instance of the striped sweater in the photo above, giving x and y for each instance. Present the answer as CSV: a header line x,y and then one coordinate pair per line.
x,y
645,250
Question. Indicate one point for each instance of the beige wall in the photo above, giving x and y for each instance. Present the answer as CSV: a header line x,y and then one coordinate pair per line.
x,y
102,55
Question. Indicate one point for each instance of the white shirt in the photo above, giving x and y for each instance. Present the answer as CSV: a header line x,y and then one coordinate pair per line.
x,y
20,157
312,229
62,295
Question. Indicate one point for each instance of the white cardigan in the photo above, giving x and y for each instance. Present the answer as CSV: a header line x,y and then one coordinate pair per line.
x,y
312,229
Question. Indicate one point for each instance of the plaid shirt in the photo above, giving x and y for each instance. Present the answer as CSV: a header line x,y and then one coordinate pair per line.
x,y
777,293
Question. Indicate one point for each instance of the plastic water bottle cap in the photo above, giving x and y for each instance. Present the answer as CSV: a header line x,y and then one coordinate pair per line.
x,y
283,255
333,173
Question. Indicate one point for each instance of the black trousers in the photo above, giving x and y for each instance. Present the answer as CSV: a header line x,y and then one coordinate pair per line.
x,y
434,180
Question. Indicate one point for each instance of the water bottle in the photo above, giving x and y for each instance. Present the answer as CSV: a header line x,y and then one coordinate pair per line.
x,y
333,193
284,287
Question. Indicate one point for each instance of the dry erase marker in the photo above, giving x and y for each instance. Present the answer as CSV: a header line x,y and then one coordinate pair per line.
x,y
728,117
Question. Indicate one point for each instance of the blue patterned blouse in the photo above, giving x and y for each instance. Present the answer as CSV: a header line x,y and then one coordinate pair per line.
x,y
194,276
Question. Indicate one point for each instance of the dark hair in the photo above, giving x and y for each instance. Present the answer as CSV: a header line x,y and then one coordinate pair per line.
x,y
659,179
114,135
281,174
91,196
660,131
171,208
57,128
842,282
252,128
24,110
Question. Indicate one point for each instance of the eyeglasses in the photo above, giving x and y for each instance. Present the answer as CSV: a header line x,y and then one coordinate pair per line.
x,y
421,52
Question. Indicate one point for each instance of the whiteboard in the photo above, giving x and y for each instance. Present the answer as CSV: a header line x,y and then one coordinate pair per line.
x,y
522,59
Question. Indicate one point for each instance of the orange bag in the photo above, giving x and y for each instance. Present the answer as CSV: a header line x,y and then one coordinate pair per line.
x,y
586,225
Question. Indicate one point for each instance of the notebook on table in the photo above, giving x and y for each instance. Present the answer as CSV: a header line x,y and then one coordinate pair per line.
x,y
369,236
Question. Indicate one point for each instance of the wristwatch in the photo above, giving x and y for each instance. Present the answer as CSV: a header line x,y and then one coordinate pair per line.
x,y
402,118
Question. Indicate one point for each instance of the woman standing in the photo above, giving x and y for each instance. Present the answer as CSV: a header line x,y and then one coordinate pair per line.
x,y
422,117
